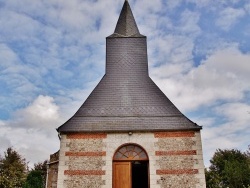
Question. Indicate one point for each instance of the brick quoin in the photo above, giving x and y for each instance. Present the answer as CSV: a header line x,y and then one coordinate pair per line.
x,y
174,134
188,152
176,172
101,153
87,136
84,172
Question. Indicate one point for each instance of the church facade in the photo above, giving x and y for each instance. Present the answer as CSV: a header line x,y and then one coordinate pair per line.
x,y
128,133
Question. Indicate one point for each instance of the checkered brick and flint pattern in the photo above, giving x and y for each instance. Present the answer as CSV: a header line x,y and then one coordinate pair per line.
x,y
179,159
82,159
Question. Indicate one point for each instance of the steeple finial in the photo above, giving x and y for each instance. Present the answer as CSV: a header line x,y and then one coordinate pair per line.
x,y
126,25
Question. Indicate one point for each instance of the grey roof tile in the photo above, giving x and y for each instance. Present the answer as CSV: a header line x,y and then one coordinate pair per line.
x,y
126,25
126,99
123,124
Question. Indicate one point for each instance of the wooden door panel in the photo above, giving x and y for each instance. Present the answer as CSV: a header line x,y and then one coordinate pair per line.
x,y
122,175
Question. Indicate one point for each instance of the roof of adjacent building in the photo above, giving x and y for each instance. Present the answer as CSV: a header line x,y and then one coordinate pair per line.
x,y
126,99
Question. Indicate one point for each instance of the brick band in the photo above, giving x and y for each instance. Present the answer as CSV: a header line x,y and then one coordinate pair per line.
x,y
84,172
101,153
87,136
174,134
187,152
176,172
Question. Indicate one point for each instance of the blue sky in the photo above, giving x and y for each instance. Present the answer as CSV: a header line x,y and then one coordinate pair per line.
x,y
52,55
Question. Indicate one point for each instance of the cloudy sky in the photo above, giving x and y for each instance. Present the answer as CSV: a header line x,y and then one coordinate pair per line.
x,y
52,54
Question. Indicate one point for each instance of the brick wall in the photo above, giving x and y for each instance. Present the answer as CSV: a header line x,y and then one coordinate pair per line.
x,y
179,159
52,170
175,159
81,160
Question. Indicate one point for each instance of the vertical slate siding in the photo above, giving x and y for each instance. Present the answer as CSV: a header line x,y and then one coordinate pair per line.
x,y
126,98
127,59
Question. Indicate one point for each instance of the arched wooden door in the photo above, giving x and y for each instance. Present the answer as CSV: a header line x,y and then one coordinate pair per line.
x,y
130,167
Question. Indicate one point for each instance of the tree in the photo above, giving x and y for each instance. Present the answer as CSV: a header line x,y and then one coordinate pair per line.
x,y
37,176
248,154
13,169
34,180
229,169
248,151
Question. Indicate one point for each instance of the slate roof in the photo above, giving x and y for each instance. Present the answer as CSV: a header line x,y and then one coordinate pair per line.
x,y
126,25
126,99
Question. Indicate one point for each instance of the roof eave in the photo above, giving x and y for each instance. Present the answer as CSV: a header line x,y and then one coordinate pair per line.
x,y
198,128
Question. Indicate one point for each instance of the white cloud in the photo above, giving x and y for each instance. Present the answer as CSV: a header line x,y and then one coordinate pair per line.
x,y
33,145
237,114
147,7
5,142
7,56
201,3
189,23
247,8
71,100
38,47
234,133
41,113
60,51
172,4
222,76
32,130
171,49
228,17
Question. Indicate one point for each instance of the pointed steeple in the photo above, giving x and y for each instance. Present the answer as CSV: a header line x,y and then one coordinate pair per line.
x,y
126,99
126,25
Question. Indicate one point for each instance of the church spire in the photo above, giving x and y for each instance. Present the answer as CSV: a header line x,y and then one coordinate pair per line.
x,y
126,99
126,25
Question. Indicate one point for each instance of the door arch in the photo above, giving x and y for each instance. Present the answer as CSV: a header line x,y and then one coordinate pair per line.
x,y
130,167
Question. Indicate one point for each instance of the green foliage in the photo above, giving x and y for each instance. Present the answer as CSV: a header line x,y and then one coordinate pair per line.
x,y
13,169
229,169
37,176
34,180
42,166
248,156
212,179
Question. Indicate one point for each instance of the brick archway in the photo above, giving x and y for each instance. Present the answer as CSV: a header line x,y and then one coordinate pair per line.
x,y
130,167
130,152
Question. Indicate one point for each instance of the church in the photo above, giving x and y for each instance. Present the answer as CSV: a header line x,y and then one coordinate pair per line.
x,y
127,134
